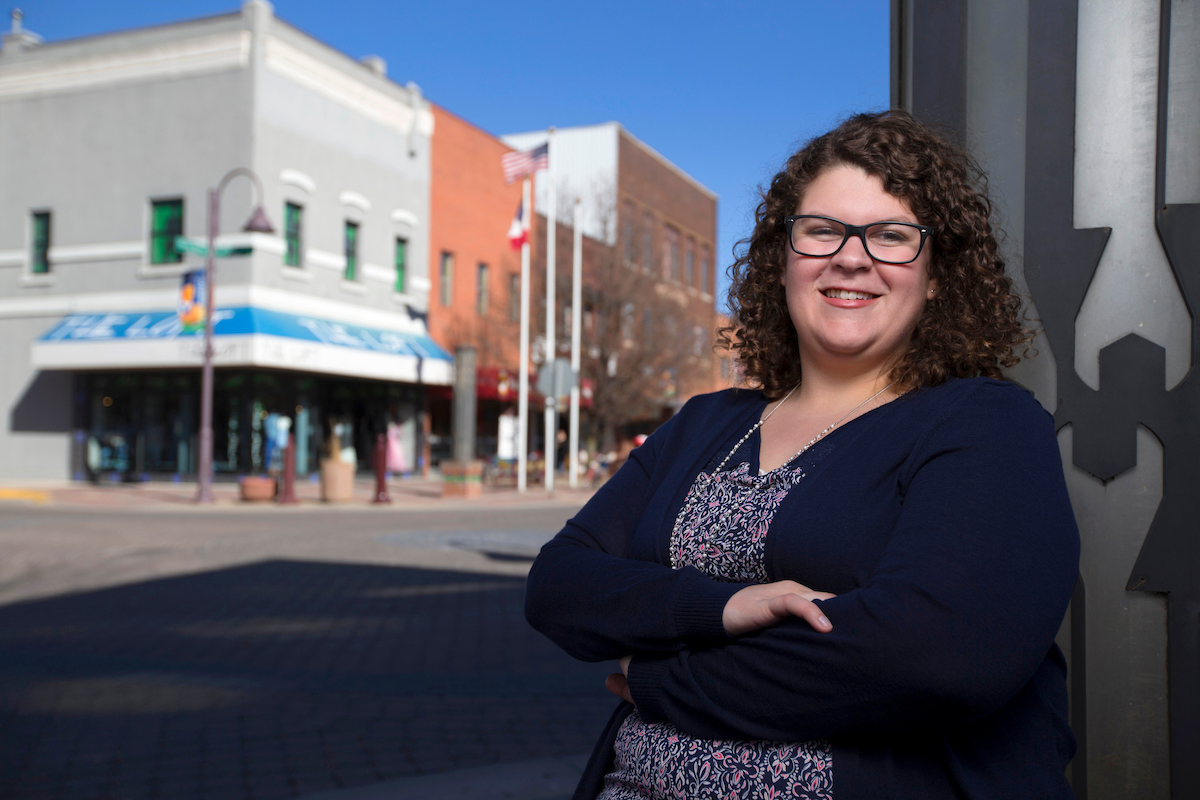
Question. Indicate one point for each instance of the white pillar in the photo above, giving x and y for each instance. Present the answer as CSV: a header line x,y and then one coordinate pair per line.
x,y
551,345
523,366
576,330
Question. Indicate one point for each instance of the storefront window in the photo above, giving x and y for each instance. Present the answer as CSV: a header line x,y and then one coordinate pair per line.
x,y
145,426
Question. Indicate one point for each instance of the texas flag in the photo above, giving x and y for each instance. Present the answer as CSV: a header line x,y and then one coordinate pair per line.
x,y
517,235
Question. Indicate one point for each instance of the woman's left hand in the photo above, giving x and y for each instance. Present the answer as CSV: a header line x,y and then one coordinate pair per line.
x,y
618,684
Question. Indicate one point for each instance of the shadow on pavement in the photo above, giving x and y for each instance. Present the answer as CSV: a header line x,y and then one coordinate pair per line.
x,y
279,679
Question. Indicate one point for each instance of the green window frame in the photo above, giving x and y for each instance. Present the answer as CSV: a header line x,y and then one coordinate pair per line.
x,y
39,260
401,265
446,278
293,234
166,223
350,239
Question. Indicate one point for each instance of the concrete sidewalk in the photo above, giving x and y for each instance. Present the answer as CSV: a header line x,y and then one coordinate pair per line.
x,y
423,493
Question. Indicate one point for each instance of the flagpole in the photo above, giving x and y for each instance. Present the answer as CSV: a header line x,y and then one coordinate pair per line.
x,y
523,368
576,330
551,448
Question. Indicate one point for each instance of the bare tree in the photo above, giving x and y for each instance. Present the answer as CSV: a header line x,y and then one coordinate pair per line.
x,y
646,344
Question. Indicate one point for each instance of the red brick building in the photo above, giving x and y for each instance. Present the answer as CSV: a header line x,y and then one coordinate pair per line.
x,y
474,273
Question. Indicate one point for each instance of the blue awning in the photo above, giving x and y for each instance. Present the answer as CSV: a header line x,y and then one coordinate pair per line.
x,y
242,336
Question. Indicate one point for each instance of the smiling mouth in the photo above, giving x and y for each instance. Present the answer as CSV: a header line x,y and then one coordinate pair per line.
x,y
846,294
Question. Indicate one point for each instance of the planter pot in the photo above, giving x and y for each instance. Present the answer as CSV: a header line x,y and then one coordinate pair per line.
x,y
337,480
257,488
462,478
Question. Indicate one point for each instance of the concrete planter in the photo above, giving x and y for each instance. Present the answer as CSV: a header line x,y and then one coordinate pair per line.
x,y
462,478
337,480
257,488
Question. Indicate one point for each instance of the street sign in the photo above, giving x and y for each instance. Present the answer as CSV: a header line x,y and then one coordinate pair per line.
x,y
555,380
197,247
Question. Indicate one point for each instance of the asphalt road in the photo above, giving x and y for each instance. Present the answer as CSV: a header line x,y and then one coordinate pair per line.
x,y
280,653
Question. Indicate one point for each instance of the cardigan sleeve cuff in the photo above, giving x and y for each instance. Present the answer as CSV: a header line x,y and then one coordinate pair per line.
x,y
699,608
645,677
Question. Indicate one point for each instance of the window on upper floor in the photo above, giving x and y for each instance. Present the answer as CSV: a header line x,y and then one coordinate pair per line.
x,y
689,264
648,243
39,257
401,264
166,224
628,241
514,297
446,278
703,276
481,289
350,243
627,322
293,234
670,267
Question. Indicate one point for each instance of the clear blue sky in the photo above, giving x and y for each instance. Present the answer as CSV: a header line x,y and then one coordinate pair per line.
x,y
724,89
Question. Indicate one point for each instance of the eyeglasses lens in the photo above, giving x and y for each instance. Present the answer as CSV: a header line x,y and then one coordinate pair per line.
x,y
886,241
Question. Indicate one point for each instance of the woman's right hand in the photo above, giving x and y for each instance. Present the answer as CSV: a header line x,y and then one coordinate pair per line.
x,y
765,604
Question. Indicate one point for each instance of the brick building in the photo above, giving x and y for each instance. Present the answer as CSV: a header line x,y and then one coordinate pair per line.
x,y
474,273
650,233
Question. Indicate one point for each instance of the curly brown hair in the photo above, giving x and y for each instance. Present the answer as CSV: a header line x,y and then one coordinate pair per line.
x,y
971,327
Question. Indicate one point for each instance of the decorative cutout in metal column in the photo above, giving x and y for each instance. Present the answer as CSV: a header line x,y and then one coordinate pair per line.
x,y
1059,264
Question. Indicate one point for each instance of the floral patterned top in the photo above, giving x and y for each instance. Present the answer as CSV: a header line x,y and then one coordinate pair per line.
x,y
721,530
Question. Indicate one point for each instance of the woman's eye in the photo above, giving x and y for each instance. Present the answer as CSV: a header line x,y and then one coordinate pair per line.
x,y
890,237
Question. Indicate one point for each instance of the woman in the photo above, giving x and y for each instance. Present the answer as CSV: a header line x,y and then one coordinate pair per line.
x,y
884,463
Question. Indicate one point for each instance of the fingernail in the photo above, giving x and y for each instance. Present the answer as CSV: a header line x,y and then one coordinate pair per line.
x,y
824,622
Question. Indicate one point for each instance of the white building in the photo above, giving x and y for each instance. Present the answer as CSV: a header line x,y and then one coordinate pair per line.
x,y
108,147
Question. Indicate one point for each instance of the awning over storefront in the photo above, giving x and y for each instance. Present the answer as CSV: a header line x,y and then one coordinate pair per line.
x,y
242,337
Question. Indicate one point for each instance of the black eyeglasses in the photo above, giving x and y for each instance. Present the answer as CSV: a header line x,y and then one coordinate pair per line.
x,y
885,242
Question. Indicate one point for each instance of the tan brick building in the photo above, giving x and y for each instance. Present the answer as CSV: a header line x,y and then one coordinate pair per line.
x,y
649,311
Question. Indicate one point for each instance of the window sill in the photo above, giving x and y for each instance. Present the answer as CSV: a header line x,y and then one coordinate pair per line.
x,y
164,270
402,298
352,287
296,274
34,279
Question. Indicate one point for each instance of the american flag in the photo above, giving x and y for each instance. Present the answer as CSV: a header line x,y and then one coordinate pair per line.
x,y
526,162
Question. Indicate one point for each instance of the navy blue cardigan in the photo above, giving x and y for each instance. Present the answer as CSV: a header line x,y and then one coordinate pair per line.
x,y
941,520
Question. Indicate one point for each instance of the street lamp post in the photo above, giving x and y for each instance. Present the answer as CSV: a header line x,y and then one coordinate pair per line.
x,y
258,223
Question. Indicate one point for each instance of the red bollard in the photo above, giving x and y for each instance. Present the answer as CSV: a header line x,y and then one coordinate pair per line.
x,y
288,495
381,494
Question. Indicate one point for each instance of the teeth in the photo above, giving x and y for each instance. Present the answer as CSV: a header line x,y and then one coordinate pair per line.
x,y
844,294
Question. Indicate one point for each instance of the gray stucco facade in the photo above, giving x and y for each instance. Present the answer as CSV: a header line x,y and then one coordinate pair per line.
x,y
94,130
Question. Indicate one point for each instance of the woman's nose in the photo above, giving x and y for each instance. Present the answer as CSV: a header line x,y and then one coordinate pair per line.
x,y
853,255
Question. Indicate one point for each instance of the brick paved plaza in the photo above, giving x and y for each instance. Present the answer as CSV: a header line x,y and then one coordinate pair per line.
x,y
280,653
